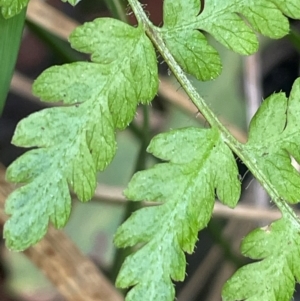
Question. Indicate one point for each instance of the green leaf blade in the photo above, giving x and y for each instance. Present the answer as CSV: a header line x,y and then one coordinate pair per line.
x,y
32,209
195,55
66,83
233,23
186,185
161,290
130,58
229,30
289,8
277,121
79,170
189,47
266,18
125,82
144,225
46,193
10,38
180,9
273,278
156,269
76,141
10,8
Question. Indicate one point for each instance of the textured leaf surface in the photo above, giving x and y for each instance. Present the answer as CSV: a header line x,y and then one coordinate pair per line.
x,y
125,69
76,141
273,278
10,8
274,137
224,20
186,185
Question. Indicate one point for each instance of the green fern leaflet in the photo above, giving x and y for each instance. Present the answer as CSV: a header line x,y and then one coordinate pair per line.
x,y
76,141
186,186
274,277
224,21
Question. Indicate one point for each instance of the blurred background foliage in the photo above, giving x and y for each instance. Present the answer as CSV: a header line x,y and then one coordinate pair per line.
x,y
92,225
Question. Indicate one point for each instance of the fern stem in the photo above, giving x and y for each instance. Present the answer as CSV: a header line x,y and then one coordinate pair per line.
x,y
155,36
